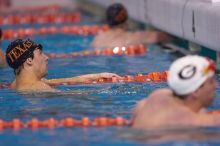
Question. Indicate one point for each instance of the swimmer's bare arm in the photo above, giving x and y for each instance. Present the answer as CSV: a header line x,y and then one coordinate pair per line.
x,y
82,78
151,37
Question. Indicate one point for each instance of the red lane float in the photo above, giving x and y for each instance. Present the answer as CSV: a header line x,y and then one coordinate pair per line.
x,y
34,123
41,19
151,77
130,50
76,30
4,85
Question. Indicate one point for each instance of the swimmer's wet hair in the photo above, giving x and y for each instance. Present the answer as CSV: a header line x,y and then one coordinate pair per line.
x,y
116,14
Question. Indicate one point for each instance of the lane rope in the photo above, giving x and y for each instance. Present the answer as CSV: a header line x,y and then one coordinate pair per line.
x,y
153,77
73,17
34,123
131,50
84,30
69,122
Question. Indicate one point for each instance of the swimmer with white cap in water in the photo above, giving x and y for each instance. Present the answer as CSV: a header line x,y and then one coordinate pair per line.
x,y
192,85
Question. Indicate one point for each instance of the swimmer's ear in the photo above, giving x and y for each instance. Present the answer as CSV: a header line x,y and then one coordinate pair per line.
x,y
194,95
29,61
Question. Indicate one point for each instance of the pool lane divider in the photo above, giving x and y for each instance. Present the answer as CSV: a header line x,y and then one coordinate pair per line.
x,y
83,30
153,77
34,123
130,50
69,122
61,17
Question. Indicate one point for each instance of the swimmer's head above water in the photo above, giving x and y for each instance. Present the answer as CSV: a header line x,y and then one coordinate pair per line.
x,y
30,65
192,89
189,73
116,14
20,50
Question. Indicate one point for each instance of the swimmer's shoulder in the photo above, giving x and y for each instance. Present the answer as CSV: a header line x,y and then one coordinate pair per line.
x,y
99,39
42,86
164,92
157,95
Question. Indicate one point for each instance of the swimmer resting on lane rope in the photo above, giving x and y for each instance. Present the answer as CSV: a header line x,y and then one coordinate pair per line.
x,y
30,65
118,35
192,85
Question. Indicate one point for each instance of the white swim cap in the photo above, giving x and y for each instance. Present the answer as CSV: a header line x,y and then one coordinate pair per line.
x,y
188,73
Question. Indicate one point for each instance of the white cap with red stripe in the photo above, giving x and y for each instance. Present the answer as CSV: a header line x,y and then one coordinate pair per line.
x,y
188,73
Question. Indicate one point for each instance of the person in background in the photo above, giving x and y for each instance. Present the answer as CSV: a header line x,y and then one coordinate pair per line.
x,y
2,55
192,85
116,15
30,66
5,5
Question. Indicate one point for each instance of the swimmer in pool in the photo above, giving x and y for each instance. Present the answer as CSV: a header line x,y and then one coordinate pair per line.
x,y
116,15
2,55
192,85
30,66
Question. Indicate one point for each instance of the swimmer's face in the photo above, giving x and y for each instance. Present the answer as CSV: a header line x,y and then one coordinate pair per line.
x,y
206,92
40,63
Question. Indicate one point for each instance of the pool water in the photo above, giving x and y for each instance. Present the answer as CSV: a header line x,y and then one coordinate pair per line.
x,y
92,100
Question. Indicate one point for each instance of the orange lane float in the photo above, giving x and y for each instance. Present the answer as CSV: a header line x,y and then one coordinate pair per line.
x,y
34,123
130,50
148,78
4,85
69,122
141,78
76,30
40,19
